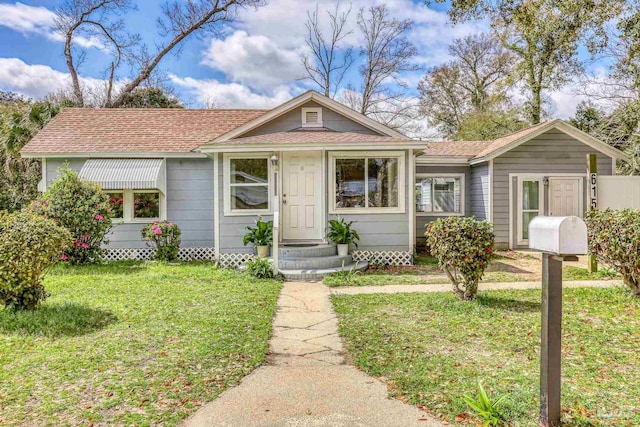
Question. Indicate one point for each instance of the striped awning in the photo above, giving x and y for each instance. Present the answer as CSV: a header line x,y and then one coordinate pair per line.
x,y
125,174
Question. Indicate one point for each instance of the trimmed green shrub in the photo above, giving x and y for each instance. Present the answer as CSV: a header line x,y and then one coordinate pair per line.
x,y
82,208
165,236
463,247
614,237
260,268
29,246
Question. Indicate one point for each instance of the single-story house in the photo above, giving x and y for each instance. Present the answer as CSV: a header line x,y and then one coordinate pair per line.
x,y
213,172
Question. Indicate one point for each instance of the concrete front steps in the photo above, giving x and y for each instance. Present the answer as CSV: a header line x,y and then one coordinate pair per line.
x,y
313,262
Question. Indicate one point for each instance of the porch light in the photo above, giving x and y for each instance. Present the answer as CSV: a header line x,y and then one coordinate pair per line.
x,y
274,160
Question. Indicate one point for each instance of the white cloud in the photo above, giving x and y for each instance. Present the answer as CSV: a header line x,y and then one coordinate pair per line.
x,y
231,95
283,22
36,81
256,61
38,20
26,19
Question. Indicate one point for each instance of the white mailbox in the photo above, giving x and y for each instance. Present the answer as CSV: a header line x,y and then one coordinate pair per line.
x,y
559,235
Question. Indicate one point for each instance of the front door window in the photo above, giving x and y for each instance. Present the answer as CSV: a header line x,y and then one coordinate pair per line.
x,y
530,205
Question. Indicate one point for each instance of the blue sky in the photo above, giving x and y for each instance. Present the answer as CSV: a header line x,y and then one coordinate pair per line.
x,y
254,62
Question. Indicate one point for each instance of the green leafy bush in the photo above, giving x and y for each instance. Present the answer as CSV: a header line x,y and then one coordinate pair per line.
x,y
614,237
341,232
487,410
29,246
260,235
463,247
260,268
82,208
165,236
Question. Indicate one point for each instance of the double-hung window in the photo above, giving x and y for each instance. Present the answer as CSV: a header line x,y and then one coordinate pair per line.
x,y
367,183
439,194
247,184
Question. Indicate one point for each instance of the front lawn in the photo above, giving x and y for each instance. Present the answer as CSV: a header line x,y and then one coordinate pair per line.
x,y
432,349
132,343
506,266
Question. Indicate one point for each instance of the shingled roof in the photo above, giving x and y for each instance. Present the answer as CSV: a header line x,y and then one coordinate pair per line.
x,y
139,130
478,149
309,137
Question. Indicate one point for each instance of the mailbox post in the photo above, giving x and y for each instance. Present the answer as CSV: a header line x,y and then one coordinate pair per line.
x,y
558,238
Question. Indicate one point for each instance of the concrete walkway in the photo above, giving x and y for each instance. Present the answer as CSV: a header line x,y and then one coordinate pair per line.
x,y
395,289
306,382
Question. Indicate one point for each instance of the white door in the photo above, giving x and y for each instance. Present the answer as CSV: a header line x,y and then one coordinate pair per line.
x,y
564,197
302,195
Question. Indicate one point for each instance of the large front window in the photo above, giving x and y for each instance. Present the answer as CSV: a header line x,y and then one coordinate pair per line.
x,y
368,183
247,179
439,194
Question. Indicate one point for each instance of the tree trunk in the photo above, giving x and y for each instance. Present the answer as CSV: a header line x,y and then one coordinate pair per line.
x,y
632,284
77,90
536,105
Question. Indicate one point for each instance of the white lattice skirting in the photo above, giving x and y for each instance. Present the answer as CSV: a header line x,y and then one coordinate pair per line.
x,y
184,254
384,257
234,260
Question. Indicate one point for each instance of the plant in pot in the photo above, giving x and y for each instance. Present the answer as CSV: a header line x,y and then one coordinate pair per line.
x,y
261,236
342,234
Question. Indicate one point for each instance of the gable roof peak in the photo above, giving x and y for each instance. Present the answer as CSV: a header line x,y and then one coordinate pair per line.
x,y
298,101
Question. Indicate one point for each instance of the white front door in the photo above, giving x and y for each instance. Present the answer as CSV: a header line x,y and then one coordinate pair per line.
x,y
302,193
564,197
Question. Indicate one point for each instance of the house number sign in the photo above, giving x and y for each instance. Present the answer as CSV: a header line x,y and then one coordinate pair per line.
x,y
593,190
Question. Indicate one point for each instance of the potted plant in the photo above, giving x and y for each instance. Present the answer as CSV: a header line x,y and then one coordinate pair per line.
x,y
341,233
261,236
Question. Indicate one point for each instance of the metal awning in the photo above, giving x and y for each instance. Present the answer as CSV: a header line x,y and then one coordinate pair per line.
x,y
125,174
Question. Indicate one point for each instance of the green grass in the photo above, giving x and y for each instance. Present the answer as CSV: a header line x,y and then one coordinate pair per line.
x,y
578,273
132,343
432,349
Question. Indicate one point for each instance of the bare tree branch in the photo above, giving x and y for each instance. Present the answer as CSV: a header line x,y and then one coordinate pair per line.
x,y
92,19
325,67
387,53
180,20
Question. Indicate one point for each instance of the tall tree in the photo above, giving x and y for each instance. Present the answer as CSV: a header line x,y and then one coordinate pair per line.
x,y
387,54
99,23
101,20
328,60
545,36
475,81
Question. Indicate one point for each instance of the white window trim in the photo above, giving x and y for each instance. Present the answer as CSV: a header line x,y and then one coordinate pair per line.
x,y
124,202
541,191
402,181
461,176
227,185
306,110
127,208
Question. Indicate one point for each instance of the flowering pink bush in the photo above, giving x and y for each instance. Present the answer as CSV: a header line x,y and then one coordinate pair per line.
x,y
82,208
165,236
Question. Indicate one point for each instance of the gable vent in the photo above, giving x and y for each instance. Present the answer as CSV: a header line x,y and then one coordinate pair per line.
x,y
312,117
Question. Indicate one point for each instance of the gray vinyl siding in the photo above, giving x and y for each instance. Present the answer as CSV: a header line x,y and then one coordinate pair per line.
x,y
190,197
553,152
380,232
479,189
293,120
421,220
233,228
